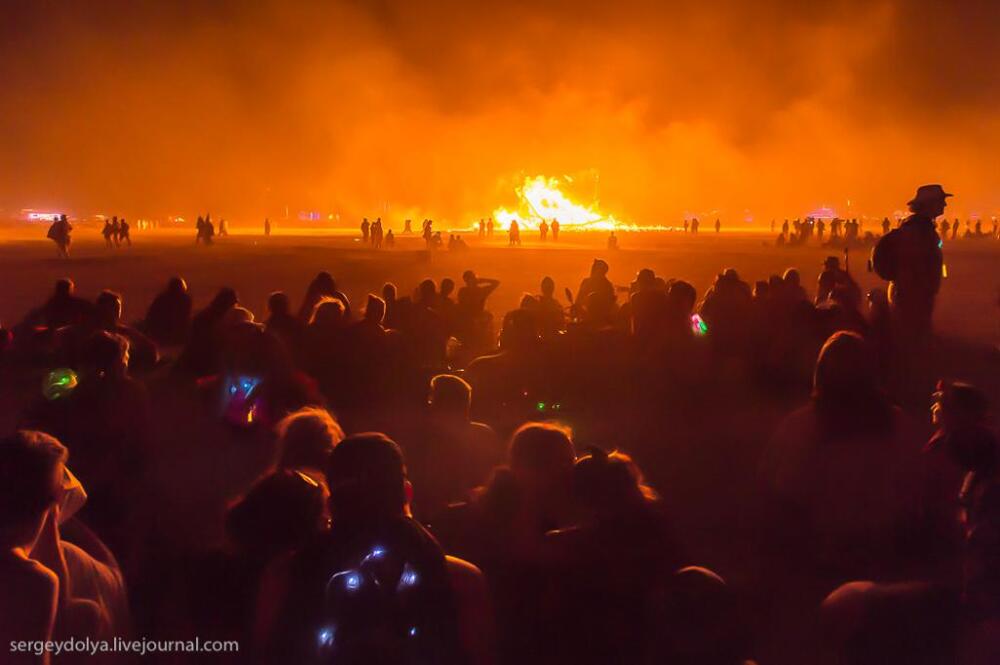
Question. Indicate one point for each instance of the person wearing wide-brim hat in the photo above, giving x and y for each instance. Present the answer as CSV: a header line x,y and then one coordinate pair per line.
x,y
910,258
928,199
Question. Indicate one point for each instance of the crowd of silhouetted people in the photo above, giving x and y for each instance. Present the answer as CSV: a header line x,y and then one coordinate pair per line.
x,y
396,481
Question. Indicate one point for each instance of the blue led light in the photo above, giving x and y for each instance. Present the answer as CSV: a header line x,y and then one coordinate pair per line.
x,y
326,637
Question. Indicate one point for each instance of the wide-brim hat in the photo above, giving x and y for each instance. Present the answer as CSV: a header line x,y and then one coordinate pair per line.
x,y
929,193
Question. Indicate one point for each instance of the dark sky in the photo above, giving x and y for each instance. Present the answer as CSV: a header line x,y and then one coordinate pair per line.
x,y
438,108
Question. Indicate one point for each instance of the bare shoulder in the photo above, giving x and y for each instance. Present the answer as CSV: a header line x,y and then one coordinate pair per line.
x,y
460,569
27,575
466,579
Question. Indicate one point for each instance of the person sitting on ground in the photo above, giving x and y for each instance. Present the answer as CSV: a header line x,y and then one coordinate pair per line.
x,y
143,354
502,530
448,433
106,422
282,323
202,354
612,566
52,588
322,286
168,319
474,323
552,318
845,470
376,586
276,517
305,440
597,282
63,308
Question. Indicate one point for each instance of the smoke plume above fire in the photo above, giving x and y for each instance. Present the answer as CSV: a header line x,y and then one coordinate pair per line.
x,y
440,109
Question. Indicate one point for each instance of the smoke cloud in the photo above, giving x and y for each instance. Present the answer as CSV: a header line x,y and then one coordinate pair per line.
x,y
400,108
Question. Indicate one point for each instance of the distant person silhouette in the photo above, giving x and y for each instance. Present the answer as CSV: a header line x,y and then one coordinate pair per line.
x,y
124,232
514,233
108,231
267,227
554,227
718,225
543,230
612,241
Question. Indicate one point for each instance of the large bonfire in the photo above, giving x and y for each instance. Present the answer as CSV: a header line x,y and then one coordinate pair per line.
x,y
541,198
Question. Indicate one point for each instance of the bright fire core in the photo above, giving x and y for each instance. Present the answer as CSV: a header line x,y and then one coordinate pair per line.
x,y
541,198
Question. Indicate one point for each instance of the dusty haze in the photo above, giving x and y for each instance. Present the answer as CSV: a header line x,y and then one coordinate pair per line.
x,y
438,109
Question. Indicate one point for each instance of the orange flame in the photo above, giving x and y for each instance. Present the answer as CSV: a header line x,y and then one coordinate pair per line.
x,y
541,198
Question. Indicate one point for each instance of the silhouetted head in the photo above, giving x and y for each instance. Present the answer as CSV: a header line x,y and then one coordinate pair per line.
x,y
236,316
645,278
328,312
845,369
278,304
389,292
792,278
701,615
64,287
599,268
374,309
542,454
548,287
280,513
224,299
447,287
958,404
323,283
367,478
177,285
450,395
31,478
305,438
683,296
909,622
731,275
608,483
831,263
930,200
469,278
109,309
105,355
760,289
426,291
518,332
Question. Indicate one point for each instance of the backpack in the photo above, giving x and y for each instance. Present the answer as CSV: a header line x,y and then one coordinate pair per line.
x,y
884,256
377,596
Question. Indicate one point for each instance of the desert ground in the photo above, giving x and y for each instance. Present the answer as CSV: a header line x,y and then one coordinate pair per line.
x,y
255,266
